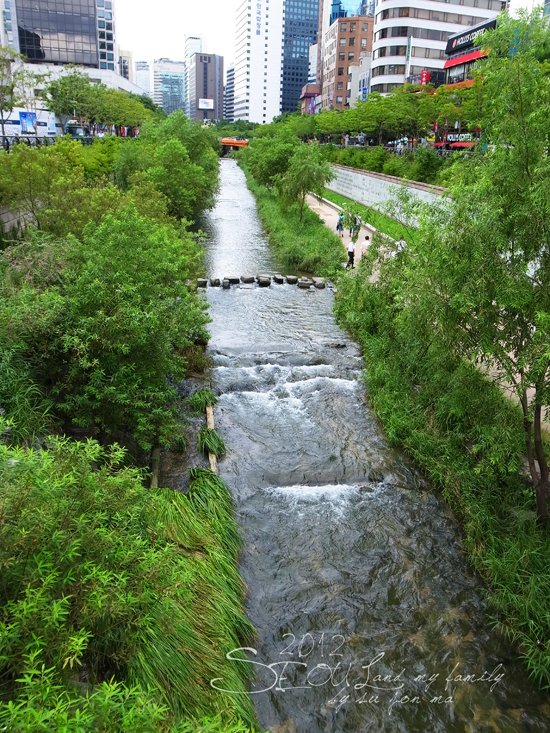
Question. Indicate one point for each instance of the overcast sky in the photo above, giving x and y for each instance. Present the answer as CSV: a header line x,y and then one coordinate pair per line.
x,y
158,28
162,32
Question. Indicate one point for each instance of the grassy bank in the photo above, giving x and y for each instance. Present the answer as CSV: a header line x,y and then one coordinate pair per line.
x,y
119,603
302,245
383,223
468,439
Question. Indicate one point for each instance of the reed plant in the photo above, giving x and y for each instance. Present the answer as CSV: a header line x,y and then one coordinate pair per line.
x,y
201,399
210,441
107,583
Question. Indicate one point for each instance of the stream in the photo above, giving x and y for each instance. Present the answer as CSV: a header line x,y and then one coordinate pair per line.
x,y
368,615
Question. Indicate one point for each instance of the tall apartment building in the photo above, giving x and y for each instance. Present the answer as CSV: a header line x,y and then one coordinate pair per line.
x,y
347,41
205,90
78,32
329,12
229,95
169,90
410,37
272,55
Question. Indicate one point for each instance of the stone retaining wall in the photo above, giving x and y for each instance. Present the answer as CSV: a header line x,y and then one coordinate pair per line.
x,y
375,189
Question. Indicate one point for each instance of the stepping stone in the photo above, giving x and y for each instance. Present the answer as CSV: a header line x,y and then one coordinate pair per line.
x,y
264,281
262,275
233,279
247,278
305,283
279,279
292,279
319,283
202,282
226,284
215,282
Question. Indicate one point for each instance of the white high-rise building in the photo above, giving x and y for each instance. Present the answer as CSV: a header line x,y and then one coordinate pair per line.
x,y
410,37
143,76
258,59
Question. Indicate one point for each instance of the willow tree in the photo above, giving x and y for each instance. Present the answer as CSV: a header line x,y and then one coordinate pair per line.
x,y
307,172
481,272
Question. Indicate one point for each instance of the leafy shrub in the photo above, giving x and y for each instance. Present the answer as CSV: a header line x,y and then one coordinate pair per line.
x,y
102,333
107,584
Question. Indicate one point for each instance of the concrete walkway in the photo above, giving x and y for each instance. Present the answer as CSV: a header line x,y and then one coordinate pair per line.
x,y
328,213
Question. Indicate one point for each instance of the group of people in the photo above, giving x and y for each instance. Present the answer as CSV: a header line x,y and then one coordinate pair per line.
x,y
354,227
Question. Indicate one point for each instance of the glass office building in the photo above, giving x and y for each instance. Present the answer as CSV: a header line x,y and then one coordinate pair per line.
x,y
299,33
67,32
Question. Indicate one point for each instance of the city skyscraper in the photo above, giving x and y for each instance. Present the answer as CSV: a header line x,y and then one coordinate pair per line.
x,y
169,90
62,31
300,32
229,95
258,59
410,37
143,76
193,44
205,90
272,55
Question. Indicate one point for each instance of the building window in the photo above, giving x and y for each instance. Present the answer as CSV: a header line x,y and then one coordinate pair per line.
x,y
340,71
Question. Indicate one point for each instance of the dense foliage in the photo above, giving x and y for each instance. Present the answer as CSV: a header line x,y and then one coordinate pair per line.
x,y
302,243
459,318
118,603
95,302
74,93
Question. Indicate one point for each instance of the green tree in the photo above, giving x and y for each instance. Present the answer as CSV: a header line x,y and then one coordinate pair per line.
x,y
10,94
103,322
269,157
480,269
73,94
307,172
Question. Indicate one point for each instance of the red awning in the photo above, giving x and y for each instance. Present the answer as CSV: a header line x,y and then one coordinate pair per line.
x,y
438,145
464,59
462,145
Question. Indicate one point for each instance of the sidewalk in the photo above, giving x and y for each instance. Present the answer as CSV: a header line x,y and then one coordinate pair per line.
x,y
328,213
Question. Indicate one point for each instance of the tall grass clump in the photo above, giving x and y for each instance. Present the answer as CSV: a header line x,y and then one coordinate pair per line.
x,y
118,603
201,399
210,441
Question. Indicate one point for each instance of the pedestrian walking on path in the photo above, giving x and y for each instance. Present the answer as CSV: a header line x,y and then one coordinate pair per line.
x,y
351,255
340,225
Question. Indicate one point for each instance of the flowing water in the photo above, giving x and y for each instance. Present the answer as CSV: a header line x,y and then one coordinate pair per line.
x,y
368,615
